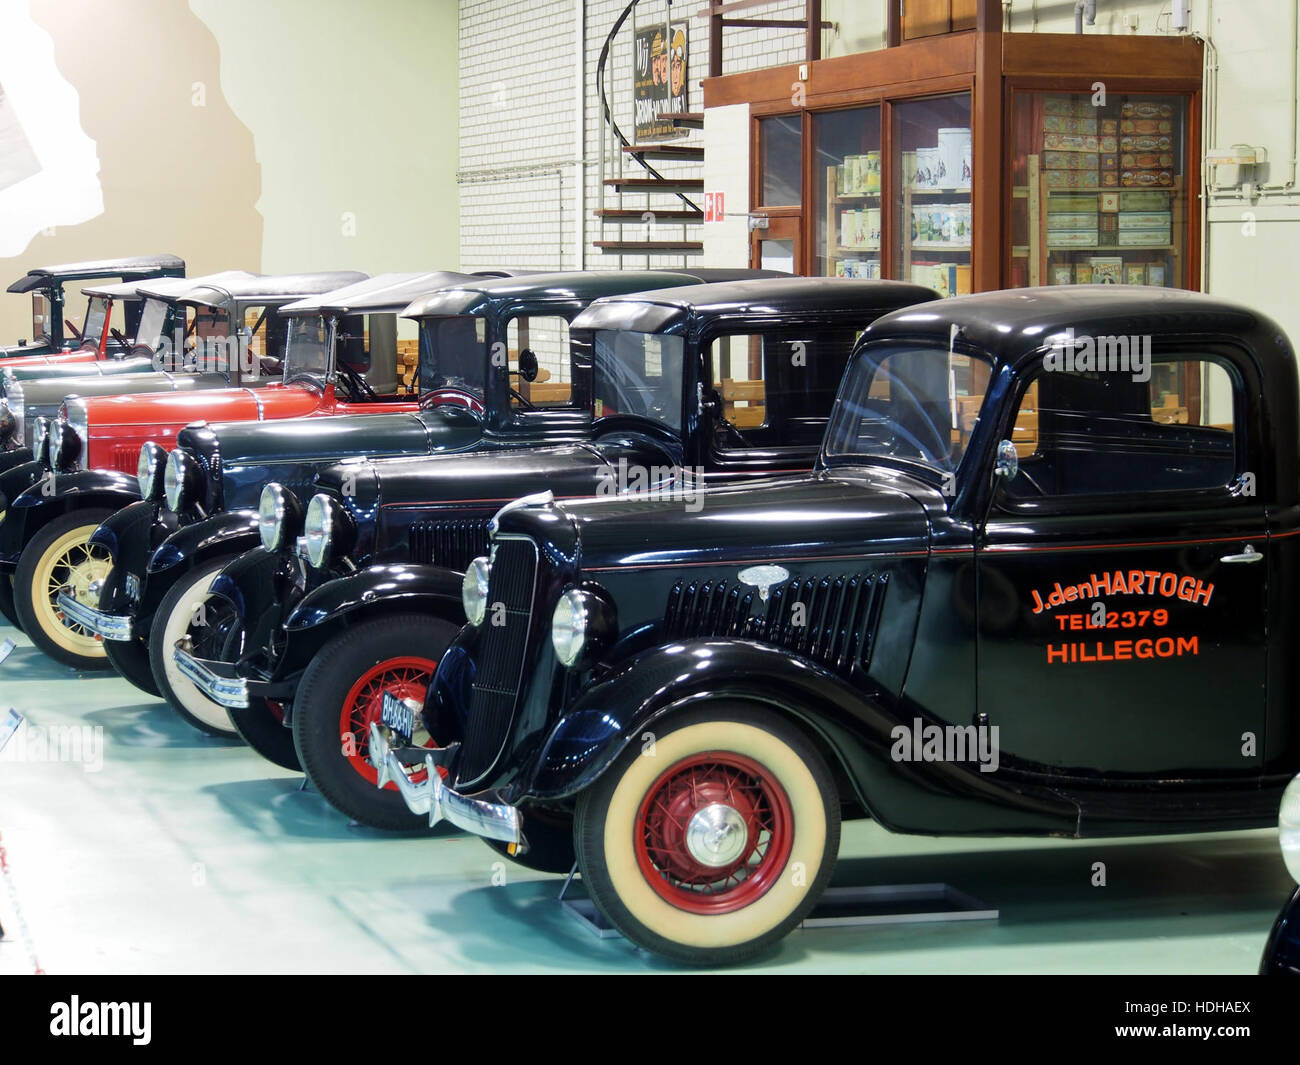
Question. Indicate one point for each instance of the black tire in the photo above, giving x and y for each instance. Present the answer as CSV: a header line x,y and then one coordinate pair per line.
x,y
70,645
550,842
7,610
261,729
130,657
194,707
799,805
341,664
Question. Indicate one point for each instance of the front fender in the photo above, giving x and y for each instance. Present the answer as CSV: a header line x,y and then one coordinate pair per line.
x,y
17,457
1282,951
187,546
129,534
852,730
48,495
358,596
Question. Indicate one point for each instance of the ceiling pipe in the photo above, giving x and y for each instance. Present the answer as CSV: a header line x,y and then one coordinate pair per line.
x,y
1084,10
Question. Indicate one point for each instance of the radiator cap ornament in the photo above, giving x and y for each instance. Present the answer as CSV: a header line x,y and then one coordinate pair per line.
x,y
763,578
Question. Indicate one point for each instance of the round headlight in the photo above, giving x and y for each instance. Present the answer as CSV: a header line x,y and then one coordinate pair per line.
x,y
328,530
569,626
474,591
279,517
149,471
65,444
78,420
17,404
41,441
1288,828
180,480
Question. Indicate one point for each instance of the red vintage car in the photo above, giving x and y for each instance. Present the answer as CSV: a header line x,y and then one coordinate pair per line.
x,y
334,353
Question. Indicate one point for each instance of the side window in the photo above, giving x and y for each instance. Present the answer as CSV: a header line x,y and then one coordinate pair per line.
x,y
545,341
1170,428
776,389
408,354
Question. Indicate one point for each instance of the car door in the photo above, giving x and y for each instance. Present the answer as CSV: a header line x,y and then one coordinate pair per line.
x,y
1123,572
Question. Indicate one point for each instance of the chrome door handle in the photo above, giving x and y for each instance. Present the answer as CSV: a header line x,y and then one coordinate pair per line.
x,y
1249,555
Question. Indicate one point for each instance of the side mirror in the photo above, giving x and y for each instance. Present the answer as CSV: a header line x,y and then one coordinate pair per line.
x,y
528,365
1007,466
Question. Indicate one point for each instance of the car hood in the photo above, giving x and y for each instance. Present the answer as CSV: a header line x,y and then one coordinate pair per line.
x,y
172,407
50,391
817,517
61,369
330,439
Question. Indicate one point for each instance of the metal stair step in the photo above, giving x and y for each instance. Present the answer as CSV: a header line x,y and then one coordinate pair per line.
x,y
684,119
668,185
665,151
625,216
648,247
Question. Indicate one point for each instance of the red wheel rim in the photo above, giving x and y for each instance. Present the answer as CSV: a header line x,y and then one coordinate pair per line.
x,y
747,848
407,678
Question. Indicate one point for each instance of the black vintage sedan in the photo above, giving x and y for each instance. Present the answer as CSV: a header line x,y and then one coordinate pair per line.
x,y
1038,584
470,327
671,390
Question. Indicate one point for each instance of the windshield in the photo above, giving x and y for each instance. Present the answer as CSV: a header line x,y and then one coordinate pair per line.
x,y
153,319
914,403
638,374
41,317
307,350
453,353
96,316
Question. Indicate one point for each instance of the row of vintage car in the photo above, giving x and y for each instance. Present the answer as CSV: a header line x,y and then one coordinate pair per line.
x,y
664,574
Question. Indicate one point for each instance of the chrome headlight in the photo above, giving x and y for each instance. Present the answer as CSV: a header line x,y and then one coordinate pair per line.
x,y
328,531
67,439
279,517
41,441
569,626
474,590
8,424
181,480
1288,828
149,471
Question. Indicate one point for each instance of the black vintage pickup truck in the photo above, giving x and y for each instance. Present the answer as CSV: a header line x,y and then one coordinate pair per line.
x,y
1041,582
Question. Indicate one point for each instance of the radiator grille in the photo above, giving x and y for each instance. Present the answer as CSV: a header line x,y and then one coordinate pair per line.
x,y
126,458
453,544
501,656
829,619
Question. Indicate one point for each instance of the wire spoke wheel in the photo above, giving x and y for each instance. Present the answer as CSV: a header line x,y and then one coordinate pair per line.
x,y
405,678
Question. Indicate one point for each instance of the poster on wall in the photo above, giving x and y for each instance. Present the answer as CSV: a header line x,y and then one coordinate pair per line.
x,y
659,80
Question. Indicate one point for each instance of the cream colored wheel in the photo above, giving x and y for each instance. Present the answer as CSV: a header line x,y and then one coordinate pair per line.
x,y
60,556
713,841
183,611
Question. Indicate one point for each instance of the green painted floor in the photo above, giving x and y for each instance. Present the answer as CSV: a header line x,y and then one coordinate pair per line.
x,y
183,854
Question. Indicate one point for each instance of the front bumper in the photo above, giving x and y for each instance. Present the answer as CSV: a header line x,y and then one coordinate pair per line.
x,y
119,627
217,680
483,815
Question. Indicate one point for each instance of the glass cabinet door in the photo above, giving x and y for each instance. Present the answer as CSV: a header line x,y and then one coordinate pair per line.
x,y
932,166
846,193
1099,190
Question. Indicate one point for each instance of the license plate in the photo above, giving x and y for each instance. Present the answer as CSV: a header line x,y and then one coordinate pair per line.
x,y
397,716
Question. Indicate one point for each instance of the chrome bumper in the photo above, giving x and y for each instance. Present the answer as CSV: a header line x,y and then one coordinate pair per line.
x,y
481,816
120,627
228,691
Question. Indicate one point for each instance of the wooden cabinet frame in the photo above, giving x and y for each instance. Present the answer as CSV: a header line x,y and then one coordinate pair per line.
x,y
991,66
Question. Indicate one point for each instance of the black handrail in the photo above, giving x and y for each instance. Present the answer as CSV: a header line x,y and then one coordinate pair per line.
x,y
604,100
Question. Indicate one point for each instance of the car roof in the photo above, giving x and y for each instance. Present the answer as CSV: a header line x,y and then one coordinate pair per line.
x,y
561,286
135,266
158,286
653,312
262,288
383,292
1012,323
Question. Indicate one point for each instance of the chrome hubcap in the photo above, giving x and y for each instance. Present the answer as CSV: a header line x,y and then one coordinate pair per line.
x,y
716,835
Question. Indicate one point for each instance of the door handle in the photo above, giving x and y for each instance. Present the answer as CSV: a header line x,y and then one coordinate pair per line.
x,y
1248,555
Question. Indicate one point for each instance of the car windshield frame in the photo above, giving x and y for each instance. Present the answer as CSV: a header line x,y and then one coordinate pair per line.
x,y
147,335
432,346
672,350
315,374
920,432
92,334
